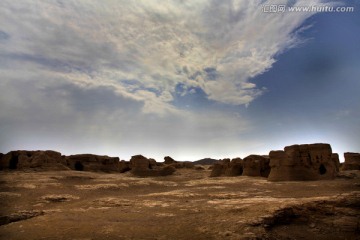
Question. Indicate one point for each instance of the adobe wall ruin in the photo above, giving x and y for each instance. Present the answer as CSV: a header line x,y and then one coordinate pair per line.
x,y
303,162
143,167
94,163
227,167
22,159
256,166
352,161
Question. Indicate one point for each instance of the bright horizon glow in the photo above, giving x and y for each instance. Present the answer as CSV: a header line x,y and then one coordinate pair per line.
x,y
181,156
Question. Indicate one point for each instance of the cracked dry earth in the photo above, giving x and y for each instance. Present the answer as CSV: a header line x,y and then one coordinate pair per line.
x,y
187,205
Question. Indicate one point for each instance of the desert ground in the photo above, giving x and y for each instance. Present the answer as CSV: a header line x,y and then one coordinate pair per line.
x,y
186,205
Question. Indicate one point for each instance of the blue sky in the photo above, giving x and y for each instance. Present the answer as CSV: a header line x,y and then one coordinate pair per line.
x,y
189,79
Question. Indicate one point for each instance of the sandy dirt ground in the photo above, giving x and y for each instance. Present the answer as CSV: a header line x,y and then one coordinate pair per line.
x,y
186,205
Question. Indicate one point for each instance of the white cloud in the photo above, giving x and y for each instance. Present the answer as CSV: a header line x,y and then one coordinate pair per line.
x,y
80,73
155,44
75,119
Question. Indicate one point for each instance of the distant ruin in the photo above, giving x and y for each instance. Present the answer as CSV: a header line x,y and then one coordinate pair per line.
x,y
303,162
256,166
352,161
91,162
252,165
143,167
33,160
226,167
171,162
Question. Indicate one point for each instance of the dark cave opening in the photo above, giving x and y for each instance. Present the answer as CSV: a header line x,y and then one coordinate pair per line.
x,y
13,162
322,169
79,166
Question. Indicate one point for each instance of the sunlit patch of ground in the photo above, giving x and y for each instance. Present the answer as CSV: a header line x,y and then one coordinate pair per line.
x,y
101,186
174,193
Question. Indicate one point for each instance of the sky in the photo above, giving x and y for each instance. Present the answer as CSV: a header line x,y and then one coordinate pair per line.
x,y
188,79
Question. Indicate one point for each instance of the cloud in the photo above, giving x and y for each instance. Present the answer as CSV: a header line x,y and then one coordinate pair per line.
x,y
217,46
73,119
135,74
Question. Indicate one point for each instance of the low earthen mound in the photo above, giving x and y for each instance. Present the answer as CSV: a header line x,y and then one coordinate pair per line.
x,y
199,167
303,162
169,160
206,161
178,165
338,214
20,216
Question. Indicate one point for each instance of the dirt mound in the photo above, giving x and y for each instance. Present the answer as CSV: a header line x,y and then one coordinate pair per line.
x,y
19,216
206,161
58,198
321,218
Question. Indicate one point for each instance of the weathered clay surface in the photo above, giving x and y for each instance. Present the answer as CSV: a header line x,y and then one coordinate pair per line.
x,y
235,167
352,161
33,159
91,162
124,166
51,160
256,166
183,165
219,168
227,167
336,161
143,167
339,213
19,216
303,162
169,160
